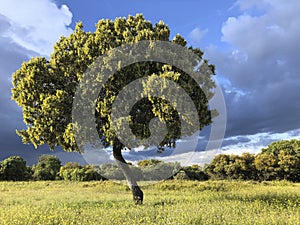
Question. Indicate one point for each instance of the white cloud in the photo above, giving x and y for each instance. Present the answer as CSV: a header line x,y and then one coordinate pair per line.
x,y
35,24
254,143
196,35
185,159
263,40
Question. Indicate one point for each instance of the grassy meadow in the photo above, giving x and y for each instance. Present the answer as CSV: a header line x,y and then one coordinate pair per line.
x,y
168,202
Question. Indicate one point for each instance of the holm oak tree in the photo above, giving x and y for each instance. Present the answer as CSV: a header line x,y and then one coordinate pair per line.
x,y
45,89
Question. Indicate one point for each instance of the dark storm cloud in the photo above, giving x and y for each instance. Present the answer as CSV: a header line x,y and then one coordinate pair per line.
x,y
11,57
261,69
236,140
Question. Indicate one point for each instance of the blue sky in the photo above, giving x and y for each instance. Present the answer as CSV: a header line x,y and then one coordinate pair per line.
x,y
181,17
253,43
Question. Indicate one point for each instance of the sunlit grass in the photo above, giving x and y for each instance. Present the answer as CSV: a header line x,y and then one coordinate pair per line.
x,y
169,202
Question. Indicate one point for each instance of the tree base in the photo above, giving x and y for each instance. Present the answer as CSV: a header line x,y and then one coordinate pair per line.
x,y
137,195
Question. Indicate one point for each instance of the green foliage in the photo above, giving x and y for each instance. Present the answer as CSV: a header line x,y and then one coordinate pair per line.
x,y
289,166
275,164
291,147
147,170
159,170
280,160
241,167
181,175
73,171
194,172
14,168
267,166
148,162
217,167
47,168
232,167
45,88
112,171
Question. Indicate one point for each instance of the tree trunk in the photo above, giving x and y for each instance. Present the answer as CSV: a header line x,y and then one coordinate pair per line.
x,y
132,184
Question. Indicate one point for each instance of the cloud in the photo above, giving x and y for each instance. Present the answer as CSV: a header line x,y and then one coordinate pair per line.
x,y
27,28
254,143
35,24
260,67
11,57
185,159
196,35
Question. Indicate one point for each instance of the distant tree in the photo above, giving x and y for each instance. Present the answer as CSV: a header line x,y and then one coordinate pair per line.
x,y
181,175
66,171
148,162
112,171
161,171
225,166
91,173
234,168
291,147
217,167
47,167
249,169
241,167
286,154
266,166
289,166
154,169
76,172
14,168
45,88
195,172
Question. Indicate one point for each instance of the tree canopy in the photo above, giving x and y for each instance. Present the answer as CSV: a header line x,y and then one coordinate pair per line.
x,y
47,167
46,88
13,168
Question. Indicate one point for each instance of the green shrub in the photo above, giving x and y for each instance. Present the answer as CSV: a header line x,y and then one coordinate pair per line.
x,y
195,172
14,168
47,168
75,172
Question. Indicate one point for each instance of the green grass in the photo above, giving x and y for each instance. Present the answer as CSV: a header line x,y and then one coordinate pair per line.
x,y
170,202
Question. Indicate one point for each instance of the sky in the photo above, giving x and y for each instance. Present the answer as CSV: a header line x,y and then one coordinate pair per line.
x,y
254,45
